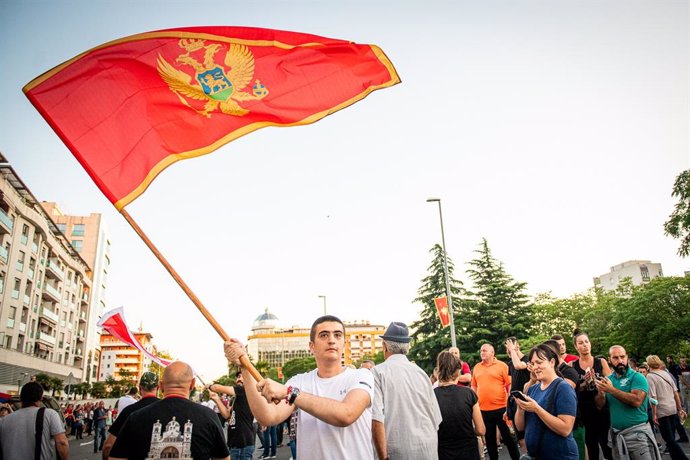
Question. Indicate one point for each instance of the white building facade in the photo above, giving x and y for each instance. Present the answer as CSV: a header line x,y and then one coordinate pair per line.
x,y
639,271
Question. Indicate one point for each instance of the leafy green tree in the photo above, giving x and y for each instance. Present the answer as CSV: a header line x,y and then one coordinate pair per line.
x,y
298,366
157,368
56,385
114,386
678,223
655,319
99,390
127,379
82,388
428,337
501,306
45,381
551,316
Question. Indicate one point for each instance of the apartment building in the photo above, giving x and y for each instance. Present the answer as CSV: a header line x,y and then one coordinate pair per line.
x,y
117,356
89,236
44,291
639,271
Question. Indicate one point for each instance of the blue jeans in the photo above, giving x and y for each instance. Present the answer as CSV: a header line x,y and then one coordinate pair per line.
x,y
270,440
98,438
293,448
242,453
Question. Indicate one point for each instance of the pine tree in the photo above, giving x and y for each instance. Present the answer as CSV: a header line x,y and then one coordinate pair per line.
x,y
429,338
501,307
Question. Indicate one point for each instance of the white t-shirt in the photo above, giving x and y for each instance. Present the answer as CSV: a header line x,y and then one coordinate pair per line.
x,y
320,441
125,401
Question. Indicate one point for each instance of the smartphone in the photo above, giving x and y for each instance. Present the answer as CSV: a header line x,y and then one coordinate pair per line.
x,y
518,395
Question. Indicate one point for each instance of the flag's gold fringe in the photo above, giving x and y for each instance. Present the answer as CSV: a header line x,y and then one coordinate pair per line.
x,y
168,34
170,159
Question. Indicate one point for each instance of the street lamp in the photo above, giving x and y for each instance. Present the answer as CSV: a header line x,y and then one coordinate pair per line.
x,y
445,269
324,303
69,384
20,380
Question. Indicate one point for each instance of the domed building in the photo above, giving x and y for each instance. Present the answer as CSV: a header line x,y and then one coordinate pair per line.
x,y
265,322
277,345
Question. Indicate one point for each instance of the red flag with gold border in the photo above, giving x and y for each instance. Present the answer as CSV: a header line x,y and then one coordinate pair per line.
x,y
442,309
129,108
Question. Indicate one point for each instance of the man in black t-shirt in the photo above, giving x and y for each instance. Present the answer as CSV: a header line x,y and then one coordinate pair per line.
x,y
174,427
239,419
148,388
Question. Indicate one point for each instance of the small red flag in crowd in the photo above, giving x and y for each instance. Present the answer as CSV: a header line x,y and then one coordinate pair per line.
x,y
129,108
442,309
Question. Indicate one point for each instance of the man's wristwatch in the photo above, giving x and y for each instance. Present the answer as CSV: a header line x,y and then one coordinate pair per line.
x,y
292,393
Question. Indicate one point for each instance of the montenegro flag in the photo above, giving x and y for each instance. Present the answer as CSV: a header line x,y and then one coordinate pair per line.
x,y
129,108
442,309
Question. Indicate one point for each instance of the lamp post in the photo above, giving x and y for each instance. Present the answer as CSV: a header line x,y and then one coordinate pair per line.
x,y
20,380
445,270
324,303
69,385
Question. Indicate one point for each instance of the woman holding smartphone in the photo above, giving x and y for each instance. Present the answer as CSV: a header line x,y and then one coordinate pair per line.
x,y
547,413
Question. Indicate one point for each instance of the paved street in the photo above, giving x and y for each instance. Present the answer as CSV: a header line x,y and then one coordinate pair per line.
x,y
82,449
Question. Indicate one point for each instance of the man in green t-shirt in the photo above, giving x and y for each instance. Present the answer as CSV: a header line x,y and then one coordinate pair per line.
x,y
625,390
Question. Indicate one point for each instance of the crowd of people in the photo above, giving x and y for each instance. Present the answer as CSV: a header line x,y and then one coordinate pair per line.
x,y
546,404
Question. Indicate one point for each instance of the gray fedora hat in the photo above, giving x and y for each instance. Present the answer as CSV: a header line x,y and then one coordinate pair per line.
x,y
397,332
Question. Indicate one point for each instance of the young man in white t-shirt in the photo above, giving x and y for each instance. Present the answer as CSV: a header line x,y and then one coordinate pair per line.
x,y
334,402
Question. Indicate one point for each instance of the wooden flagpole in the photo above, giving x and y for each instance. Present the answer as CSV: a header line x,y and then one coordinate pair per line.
x,y
224,335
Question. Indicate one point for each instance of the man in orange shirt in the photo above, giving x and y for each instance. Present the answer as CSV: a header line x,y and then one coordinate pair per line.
x,y
491,382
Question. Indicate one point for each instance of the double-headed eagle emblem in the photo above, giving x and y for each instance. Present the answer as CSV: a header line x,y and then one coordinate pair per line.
x,y
217,86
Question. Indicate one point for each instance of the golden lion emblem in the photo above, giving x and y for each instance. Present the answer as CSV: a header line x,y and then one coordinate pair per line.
x,y
217,86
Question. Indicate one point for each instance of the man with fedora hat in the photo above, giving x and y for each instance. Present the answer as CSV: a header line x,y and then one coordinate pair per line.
x,y
405,412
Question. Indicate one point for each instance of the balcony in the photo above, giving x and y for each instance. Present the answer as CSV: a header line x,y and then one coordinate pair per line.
x,y
80,336
6,224
46,338
4,255
27,300
51,293
10,323
54,271
30,274
34,248
85,298
82,316
49,315
22,327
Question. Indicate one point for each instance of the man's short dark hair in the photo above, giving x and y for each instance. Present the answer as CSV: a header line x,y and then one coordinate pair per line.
x,y
323,319
31,392
557,337
133,391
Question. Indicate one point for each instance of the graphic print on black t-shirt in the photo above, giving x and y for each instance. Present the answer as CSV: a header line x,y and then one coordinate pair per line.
x,y
173,442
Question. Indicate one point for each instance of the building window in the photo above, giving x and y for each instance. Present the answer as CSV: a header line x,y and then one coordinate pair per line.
x,y
62,227
17,286
25,234
77,245
20,261
78,230
644,271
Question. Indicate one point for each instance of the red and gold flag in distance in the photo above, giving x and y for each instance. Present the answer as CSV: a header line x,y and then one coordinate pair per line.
x,y
129,108
442,309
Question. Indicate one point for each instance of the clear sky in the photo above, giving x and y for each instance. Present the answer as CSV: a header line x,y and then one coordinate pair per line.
x,y
554,129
